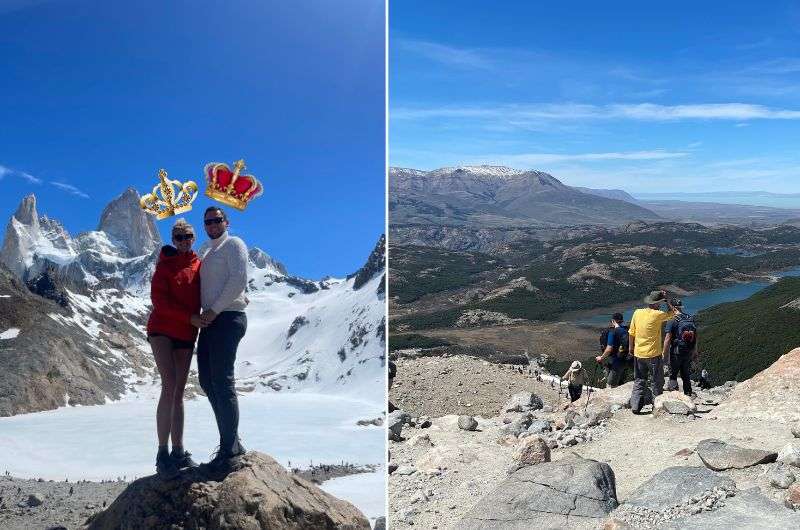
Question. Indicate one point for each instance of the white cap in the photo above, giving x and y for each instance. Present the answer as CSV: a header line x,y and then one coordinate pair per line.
x,y
576,365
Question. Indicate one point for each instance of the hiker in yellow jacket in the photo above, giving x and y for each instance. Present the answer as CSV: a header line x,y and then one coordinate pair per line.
x,y
649,348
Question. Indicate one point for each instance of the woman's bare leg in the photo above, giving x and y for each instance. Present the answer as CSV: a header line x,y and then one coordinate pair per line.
x,y
162,351
182,360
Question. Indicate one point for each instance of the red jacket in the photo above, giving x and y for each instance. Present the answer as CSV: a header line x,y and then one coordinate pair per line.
x,y
175,292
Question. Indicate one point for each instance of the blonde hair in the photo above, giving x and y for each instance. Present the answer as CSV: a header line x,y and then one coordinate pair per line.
x,y
182,225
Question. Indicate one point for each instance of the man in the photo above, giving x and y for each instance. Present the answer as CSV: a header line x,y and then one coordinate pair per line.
x,y
681,334
614,344
223,278
644,341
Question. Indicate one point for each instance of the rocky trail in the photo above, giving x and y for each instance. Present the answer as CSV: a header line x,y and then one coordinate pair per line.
x,y
726,459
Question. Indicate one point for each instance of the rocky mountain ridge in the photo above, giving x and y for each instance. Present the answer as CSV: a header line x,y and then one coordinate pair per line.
x,y
80,305
492,196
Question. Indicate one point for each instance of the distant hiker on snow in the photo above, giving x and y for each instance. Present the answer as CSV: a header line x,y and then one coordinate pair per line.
x,y
223,282
681,334
576,377
650,353
614,348
171,331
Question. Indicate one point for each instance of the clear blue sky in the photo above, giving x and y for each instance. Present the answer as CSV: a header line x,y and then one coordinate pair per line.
x,y
644,96
97,95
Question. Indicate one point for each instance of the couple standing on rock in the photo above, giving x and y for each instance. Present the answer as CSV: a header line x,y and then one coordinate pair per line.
x,y
203,292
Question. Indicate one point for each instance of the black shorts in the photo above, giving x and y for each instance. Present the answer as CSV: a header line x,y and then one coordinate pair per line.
x,y
177,344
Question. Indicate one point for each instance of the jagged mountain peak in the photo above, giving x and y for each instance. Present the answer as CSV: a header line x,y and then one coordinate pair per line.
x,y
124,221
26,211
376,263
262,260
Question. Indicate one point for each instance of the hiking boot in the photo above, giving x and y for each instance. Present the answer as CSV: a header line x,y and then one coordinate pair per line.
x,y
226,460
165,465
183,458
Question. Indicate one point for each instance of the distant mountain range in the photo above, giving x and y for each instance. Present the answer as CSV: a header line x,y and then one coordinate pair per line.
x,y
73,311
500,202
497,196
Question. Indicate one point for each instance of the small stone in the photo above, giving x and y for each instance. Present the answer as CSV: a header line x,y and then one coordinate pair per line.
x,y
796,430
34,500
405,470
790,454
792,499
781,477
467,423
421,440
530,451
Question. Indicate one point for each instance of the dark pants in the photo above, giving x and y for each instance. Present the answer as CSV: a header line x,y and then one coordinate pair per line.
x,y
216,354
680,363
644,369
575,392
615,372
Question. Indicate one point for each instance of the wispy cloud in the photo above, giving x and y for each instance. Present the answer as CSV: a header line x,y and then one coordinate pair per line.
x,y
529,159
573,111
70,189
442,53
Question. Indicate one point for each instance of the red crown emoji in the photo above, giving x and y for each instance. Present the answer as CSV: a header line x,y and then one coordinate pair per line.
x,y
230,187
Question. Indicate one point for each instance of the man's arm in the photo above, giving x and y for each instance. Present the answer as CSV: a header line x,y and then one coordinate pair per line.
x,y
631,343
667,343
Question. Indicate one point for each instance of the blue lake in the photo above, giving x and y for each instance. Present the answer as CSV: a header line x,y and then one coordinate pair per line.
x,y
692,303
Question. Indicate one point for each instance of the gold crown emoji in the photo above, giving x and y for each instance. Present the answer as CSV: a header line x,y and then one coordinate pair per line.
x,y
231,187
171,202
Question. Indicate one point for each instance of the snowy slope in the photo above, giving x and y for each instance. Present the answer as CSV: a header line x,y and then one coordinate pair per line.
x,y
324,336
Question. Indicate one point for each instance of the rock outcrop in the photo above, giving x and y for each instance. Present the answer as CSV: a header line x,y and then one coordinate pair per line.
x,y
571,493
260,494
719,456
126,223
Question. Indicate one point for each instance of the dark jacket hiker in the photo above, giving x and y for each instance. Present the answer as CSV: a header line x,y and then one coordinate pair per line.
x,y
614,350
682,334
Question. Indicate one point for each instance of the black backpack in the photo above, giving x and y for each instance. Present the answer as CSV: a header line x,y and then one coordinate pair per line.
x,y
622,351
685,334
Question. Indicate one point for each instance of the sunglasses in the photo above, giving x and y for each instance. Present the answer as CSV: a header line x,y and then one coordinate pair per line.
x,y
213,221
183,237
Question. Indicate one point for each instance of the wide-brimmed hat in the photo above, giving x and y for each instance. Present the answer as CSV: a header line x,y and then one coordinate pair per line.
x,y
654,297
576,365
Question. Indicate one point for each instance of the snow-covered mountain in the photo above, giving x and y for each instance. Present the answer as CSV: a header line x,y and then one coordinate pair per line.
x,y
89,295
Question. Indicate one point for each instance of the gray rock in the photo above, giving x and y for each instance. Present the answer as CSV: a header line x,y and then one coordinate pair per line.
x,y
467,423
790,454
380,523
405,470
258,494
796,430
718,455
781,476
518,426
676,485
539,426
748,509
523,402
34,500
396,421
548,495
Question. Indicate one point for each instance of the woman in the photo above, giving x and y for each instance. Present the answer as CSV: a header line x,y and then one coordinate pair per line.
x,y
172,330
576,377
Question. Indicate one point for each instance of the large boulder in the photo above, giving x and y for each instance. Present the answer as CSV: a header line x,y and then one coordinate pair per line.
x,y
748,509
571,493
790,454
673,403
523,402
674,493
259,494
718,455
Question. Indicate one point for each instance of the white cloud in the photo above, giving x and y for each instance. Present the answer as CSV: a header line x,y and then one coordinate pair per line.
x,y
527,159
575,111
70,189
441,53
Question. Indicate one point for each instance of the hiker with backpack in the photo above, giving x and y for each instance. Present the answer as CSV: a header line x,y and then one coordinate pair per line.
x,y
614,347
681,334
649,351
576,377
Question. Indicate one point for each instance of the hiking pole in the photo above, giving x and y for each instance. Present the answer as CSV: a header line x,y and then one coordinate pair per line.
x,y
589,394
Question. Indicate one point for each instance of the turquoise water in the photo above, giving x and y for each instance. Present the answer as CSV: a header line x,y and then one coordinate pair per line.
x,y
693,303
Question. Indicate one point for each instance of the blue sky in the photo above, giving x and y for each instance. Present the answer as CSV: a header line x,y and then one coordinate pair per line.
x,y
647,97
97,96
